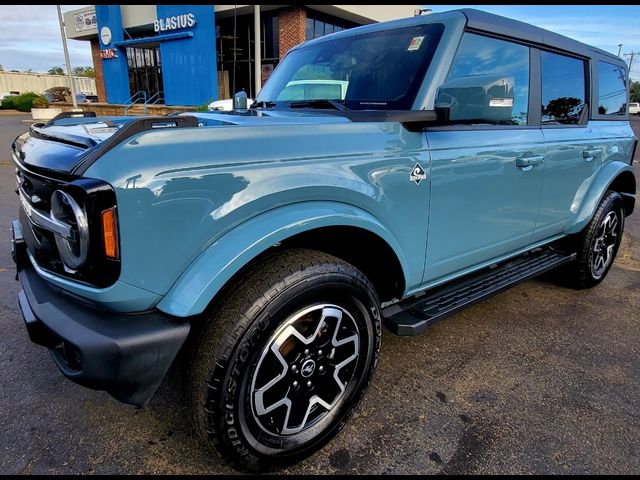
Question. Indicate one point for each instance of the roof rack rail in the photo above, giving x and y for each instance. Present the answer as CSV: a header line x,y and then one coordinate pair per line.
x,y
129,130
62,115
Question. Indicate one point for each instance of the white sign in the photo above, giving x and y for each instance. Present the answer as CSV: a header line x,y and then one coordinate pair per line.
x,y
186,20
105,35
85,21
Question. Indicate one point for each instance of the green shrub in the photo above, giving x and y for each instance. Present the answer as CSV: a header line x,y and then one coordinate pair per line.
x,y
24,102
7,103
40,102
205,107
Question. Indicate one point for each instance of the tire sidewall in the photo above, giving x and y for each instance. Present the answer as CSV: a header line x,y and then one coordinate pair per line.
x,y
236,428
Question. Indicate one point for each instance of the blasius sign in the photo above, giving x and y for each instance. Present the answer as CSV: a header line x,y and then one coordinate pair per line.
x,y
174,23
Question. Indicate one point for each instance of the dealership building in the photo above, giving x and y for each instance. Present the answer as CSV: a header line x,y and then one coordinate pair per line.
x,y
193,54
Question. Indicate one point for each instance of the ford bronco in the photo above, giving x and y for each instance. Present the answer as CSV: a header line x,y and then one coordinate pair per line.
x,y
466,153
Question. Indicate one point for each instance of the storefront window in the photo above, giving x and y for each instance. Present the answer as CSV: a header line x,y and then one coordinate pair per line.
x,y
319,25
235,53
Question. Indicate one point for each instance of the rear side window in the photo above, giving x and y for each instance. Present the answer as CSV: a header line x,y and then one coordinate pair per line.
x,y
563,88
612,89
479,55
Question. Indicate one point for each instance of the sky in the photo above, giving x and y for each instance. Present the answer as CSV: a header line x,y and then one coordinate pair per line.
x,y
30,36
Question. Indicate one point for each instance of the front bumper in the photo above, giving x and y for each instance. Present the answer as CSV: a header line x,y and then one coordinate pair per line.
x,y
126,355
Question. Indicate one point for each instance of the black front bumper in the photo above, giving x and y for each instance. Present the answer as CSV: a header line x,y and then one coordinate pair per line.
x,y
126,355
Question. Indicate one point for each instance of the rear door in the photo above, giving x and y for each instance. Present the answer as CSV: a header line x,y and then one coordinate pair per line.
x,y
574,151
486,178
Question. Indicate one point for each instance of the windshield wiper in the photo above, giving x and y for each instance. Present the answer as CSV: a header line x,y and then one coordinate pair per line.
x,y
319,103
263,104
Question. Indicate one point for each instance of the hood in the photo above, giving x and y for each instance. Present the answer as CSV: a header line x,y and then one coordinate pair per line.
x,y
60,145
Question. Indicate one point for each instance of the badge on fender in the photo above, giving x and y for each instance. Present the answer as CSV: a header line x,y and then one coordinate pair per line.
x,y
417,174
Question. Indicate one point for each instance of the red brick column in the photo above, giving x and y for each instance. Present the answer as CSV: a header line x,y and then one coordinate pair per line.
x,y
292,29
97,67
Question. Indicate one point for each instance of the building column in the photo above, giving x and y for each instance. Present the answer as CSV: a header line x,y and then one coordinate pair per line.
x,y
292,29
97,67
115,70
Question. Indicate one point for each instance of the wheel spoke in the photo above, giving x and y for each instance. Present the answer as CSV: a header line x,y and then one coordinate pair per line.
x,y
609,251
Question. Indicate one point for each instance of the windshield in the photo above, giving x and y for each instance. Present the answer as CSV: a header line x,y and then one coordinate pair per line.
x,y
378,70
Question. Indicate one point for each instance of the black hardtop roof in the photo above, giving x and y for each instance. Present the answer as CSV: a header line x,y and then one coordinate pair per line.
x,y
500,25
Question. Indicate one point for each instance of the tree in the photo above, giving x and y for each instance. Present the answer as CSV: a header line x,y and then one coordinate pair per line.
x,y
634,94
84,72
56,71
563,109
58,93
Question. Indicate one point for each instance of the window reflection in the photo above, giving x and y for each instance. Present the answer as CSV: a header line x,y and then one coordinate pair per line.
x,y
563,88
479,55
612,89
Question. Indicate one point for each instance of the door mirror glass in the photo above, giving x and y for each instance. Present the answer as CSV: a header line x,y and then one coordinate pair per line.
x,y
240,100
478,98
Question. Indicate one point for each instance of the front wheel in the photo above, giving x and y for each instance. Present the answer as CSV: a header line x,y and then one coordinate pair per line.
x,y
285,359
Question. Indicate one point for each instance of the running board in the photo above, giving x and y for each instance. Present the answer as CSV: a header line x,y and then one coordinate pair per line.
x,y
414,315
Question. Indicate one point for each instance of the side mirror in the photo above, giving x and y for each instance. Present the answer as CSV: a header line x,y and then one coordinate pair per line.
x,y
477,98
240,100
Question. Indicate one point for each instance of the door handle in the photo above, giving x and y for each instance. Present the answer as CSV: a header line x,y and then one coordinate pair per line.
x,y
527,163
589,153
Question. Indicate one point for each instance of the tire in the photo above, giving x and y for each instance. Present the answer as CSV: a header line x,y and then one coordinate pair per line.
x,y
236,376
594,258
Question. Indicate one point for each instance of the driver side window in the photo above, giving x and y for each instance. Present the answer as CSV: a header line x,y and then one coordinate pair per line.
x,y
505,68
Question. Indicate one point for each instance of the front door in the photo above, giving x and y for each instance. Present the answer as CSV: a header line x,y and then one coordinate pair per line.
x,y
483,205
486,178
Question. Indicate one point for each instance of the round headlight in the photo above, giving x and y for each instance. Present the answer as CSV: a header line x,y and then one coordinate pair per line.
x,y
64,209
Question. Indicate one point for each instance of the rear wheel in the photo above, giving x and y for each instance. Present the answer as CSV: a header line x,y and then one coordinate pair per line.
x,y
597,245
285,359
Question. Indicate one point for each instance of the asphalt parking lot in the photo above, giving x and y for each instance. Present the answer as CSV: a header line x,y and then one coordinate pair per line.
x,y
539,379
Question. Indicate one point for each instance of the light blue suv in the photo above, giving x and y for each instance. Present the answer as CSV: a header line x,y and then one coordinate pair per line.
x,y
466,153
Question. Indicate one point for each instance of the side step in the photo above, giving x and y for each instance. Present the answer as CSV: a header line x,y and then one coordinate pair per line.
x,y
414,315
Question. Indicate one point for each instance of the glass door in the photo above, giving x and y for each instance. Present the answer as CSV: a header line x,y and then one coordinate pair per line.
x,y
145,74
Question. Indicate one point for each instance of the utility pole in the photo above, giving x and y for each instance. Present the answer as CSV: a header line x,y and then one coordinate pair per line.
x,y
66,58
630,56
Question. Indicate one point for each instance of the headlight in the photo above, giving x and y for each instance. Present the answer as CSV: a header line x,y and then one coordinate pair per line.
x,y
65,209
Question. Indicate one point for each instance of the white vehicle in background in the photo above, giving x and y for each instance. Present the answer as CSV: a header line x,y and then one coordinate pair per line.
x,y
634,108
4,95
225,105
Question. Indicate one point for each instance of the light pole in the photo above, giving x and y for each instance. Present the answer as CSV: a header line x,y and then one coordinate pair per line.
x,y
66,58
619,48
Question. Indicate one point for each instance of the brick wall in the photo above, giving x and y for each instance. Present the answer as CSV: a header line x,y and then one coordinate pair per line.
x,y
292,29
97,67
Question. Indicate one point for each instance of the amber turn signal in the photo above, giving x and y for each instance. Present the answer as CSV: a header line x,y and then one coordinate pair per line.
x,y
110,233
